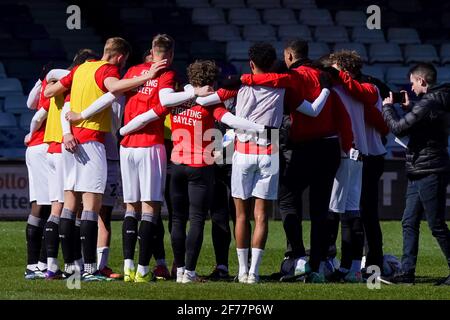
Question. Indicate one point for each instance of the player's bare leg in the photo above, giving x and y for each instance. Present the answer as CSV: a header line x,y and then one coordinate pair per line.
x,y
242,235
104,241
147,235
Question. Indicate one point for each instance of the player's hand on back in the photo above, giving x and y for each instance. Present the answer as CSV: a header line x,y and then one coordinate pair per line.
x,y
203,91
156,67
70,143
73,116
27,139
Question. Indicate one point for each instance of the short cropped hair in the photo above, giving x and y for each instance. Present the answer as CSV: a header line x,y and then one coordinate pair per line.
x,y
82,56
299,47
263,55
202,73
163,43
117,45
348,60
426,71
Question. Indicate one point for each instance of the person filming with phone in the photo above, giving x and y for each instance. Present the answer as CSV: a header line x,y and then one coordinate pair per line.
x,y
427,164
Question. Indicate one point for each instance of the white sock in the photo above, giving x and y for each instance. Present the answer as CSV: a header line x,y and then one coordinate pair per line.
x,y
143,270
102,257
301,262
32,266
222,267
356,266
79,264
243,260
256,260
161,262
52,264
128,263
42,266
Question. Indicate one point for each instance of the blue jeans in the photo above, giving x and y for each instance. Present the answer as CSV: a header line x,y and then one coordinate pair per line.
x,y
424,195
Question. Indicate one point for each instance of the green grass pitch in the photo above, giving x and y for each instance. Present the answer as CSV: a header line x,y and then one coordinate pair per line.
x,y
431,266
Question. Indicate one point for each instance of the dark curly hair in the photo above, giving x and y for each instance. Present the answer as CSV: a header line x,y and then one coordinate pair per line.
x,y
348,60
263,55
202,73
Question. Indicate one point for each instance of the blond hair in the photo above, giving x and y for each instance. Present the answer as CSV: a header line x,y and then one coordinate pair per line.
x,y
115,46
163,43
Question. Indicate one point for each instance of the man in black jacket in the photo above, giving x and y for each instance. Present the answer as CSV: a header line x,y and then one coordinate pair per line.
x,y
427,164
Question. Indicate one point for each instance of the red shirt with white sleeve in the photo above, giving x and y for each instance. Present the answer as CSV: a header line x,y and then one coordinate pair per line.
x,y
37,137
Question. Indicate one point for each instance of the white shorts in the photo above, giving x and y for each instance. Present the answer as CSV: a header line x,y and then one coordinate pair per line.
x,y
143,173
255,175
86,169
55,177
36,160
112,184
346,193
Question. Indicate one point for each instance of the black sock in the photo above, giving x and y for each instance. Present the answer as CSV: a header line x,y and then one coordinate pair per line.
x,y
77,253
332,228
129,235
51,235
147,236
159,250
88,236
67,235
357,238
34,231
346,245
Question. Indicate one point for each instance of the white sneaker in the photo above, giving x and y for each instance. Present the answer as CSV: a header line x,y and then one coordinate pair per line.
x,y
180,275
252,278
302,267
243,278
189,278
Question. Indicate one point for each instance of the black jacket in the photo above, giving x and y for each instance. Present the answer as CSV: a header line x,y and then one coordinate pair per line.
x,y
426,125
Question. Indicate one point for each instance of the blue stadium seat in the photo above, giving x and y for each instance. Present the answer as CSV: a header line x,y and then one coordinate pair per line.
x,y
29,31
263,4
403,36
242,67
25,120
349,18
374,71
224,32
420,53
10,87
331,34
237,50
358,47
298,31
364,35
316,17
192,3
279,16
244,16
445,53
443,75
397,75
259,32
228,4
7,120
318,49
13,48
15,104
13,153
299,4
208,16
47,49
385,52
207,50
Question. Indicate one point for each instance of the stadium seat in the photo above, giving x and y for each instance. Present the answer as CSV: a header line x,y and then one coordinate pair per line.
x,y
374,71
316,17
263,4
318,49
13,48
299,4
242,67
13,153
405,6
207,50
2,71
25,120
10,87
445,53
224,32
443,75
403,36
259,32
420,53
193,3
244,16
15,104
299,31
351,18
208,16
364,35
279,48
385,52
279,16
47,49
7,120
237,50
29,31
331,34
358,47
228,4
397,75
